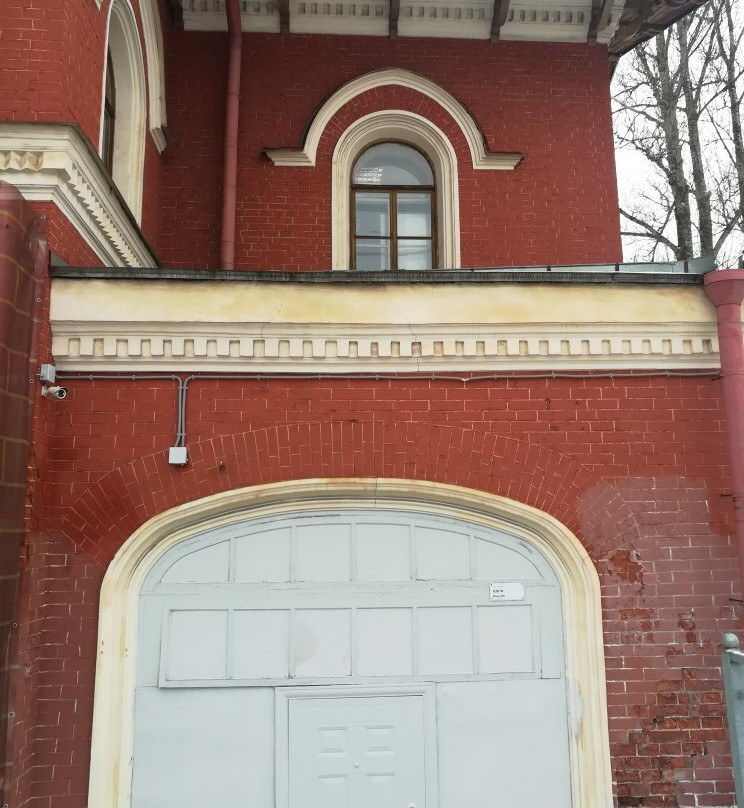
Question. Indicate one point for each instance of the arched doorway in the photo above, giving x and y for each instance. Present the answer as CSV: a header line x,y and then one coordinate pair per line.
x,y
349,650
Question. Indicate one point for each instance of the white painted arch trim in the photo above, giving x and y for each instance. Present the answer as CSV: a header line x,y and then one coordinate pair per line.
x,y
123,42
113,728
397,124
481,157
152,33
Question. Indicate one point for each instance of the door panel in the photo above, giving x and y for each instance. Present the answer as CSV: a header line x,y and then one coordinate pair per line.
x,y
503,744
328,633
357,752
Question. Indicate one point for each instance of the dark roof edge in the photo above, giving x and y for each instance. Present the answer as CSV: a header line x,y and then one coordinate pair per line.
x,y
644,19
460,276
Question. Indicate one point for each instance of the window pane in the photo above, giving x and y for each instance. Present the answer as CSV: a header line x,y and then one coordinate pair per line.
x,y
392,164
414,214
373,214
373,255
414,254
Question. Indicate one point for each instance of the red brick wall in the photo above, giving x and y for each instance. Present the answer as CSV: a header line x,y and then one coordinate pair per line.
x,y
63,239
635,467
549,102
31,56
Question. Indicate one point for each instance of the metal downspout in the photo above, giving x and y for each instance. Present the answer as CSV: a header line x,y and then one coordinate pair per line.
x,y
725,288
229,183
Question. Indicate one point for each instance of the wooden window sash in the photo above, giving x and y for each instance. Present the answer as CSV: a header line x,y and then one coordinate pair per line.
x,y
392,192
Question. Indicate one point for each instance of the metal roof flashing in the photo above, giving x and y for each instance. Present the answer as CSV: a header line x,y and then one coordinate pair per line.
x,y
680,273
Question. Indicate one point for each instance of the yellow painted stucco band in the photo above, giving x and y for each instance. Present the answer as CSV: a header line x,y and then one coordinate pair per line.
x,y
113,729
94,301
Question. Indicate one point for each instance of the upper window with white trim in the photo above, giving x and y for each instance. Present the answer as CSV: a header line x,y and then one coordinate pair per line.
x,y
393,199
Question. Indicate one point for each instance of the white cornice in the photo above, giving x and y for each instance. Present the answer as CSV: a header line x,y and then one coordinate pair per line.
x,y
103,324
481,157
51,163
319,347
536,21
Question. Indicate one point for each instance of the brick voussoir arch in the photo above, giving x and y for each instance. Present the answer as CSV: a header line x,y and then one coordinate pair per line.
x,y
112,508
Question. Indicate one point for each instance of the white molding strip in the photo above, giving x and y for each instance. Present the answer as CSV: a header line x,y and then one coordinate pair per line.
x,y
152,33
375,348
51,163
481,157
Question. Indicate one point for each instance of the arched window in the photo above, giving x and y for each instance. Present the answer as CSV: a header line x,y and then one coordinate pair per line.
x,y
393,209
122,146
109,116
418,158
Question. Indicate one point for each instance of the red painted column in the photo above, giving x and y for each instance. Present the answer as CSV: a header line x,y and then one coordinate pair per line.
x,y
725,288
229,184
23,265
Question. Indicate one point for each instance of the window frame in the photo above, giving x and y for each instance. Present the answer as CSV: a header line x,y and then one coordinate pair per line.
x,y
392,192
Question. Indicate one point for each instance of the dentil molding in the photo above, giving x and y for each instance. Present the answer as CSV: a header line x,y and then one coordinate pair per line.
x,y
53,163
323,348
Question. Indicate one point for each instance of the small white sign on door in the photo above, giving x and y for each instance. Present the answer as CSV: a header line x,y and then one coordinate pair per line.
x,y
506,591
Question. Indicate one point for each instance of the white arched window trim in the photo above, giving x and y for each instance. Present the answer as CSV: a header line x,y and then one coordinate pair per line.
x,y
113,729
408,127
153,35
122,40
482,158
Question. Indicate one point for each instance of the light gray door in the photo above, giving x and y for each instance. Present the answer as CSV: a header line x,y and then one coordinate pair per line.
x,y
352,599
357,752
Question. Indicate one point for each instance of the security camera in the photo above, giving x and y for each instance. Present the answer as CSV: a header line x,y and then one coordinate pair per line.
x,y
53,391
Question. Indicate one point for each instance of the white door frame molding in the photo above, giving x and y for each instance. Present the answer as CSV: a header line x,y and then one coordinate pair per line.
x,y
113,726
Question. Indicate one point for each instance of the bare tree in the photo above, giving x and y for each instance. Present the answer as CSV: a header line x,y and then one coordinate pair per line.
x,y
690,29
676,98
728,36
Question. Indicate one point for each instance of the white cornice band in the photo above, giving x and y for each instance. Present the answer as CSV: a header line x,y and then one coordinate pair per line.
x,y
481,157
51,163
312,348
536,21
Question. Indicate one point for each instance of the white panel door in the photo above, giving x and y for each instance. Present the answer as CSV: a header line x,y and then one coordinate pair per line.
x,y
357,752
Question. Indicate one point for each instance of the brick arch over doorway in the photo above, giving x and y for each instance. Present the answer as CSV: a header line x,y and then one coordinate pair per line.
x,y
114,506
636,548
119,636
